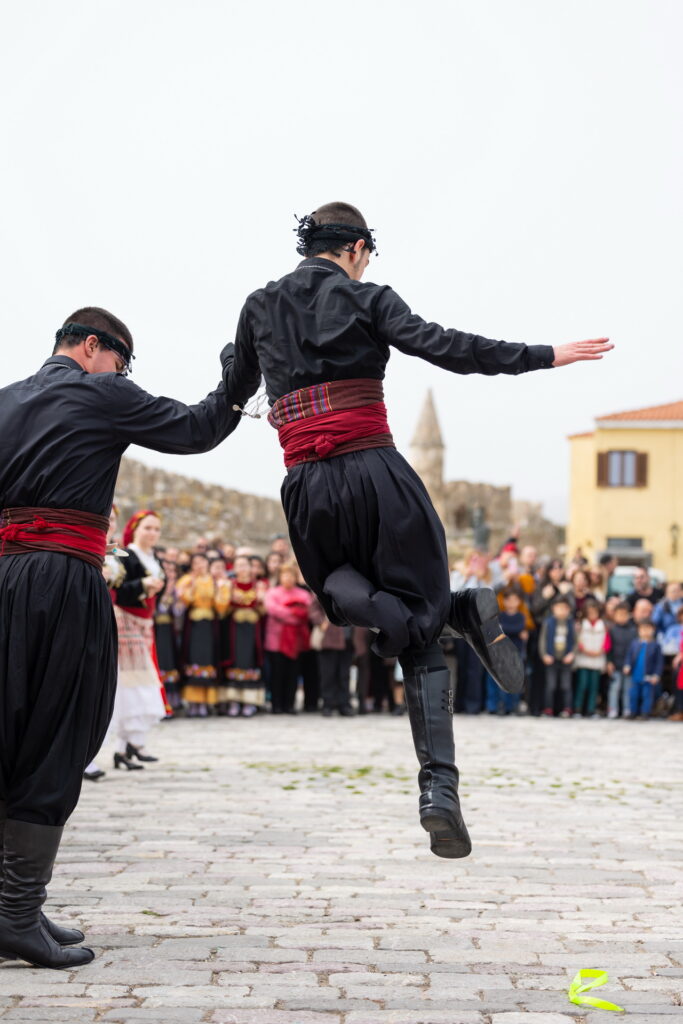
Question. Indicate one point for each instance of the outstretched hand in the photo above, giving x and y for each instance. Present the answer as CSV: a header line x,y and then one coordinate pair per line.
x,y
576,351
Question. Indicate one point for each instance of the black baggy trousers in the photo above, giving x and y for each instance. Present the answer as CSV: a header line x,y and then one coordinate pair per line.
x,y
58,664
369,510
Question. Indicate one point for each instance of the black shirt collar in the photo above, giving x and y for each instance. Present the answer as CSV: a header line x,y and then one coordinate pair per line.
x,y
322,263
64,361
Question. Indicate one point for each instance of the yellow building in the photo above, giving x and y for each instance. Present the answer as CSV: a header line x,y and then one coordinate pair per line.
x,y
627,488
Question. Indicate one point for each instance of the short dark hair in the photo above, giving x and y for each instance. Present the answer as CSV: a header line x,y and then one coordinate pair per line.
x,y
647,622
607,558
560,599
100,320
622,607
511,592
335,213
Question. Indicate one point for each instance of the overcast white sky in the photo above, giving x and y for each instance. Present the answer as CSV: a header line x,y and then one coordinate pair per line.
x,y
520,160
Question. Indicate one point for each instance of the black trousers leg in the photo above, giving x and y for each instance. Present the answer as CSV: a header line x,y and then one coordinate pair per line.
x,y
291,679
343,679
310,674
371,546
277,669
328,674
58,658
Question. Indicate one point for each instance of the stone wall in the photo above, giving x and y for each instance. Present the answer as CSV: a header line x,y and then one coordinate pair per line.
x,y
549,538
191,508
461,497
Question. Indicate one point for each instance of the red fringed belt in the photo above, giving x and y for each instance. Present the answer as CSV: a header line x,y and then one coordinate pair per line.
x,y
65,530
331,419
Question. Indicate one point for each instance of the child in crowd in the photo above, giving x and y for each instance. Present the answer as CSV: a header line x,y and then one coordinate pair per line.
x,y
593,641
644,664
513,623
622,633
557,648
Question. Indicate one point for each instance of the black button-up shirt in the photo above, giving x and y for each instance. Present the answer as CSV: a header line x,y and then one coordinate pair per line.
x,y
63,432
316,324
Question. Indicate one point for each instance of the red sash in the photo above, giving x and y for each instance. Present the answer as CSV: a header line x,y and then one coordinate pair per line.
x,y
331,419
64,530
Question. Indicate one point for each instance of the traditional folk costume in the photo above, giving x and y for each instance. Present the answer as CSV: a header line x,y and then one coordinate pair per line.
x,y
200,642
362,526
139,703
244,621
63,432
168,618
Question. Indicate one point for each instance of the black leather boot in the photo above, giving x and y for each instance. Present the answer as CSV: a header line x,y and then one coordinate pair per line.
x,y
64,936
474,617
29,855
429,699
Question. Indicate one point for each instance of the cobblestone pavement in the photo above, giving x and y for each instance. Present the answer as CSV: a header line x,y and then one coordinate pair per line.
x,y
273,872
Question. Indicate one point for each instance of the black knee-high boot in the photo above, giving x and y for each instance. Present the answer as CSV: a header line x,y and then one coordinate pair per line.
x,y
429,699
29,853
64,936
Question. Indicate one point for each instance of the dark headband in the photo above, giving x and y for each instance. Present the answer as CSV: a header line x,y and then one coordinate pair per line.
x,y
308,232
108,340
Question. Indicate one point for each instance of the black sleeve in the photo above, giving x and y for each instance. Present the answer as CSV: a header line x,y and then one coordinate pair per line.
x,y
164,424
452,350
242,374
131,593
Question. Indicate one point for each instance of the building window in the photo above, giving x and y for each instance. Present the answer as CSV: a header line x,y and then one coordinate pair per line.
x,y
624,543
622,469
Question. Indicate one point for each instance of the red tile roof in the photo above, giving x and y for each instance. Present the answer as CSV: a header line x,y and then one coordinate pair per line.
x,y
671,411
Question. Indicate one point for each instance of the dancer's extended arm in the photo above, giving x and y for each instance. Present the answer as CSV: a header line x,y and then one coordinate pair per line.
x,y
470,353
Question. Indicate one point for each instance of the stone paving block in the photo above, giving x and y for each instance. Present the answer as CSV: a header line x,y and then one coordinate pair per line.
x,y
140,1015
532,1018
413,1017
273,1017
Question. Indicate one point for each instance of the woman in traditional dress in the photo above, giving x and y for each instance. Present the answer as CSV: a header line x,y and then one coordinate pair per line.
x,y
168,610
245,691
287,635
197,590
139,702
222,606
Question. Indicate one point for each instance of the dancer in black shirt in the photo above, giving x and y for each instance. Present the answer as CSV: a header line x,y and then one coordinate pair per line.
x,y
363,529
62,434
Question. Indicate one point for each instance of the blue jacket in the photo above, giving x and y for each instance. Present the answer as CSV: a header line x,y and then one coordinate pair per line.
x,y
654,659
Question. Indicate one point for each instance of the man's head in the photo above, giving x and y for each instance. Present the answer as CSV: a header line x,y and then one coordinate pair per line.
x,y
608,563
527,558
337,232
673,592
641,581
642,610
97,340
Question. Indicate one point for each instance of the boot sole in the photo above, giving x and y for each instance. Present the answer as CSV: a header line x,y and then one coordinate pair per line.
x,y
445,840
47,967
501,659
451,849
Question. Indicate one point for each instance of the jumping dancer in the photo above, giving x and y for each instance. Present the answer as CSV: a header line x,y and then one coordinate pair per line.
x,y
363,528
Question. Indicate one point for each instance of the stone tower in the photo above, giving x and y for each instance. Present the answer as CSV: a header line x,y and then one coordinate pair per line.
x,y
427,453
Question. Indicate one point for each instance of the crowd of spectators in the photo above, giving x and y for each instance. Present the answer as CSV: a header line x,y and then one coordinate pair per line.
x,y
595,643
591,649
